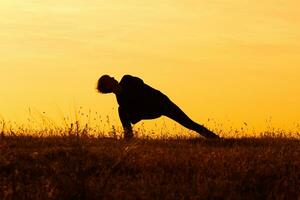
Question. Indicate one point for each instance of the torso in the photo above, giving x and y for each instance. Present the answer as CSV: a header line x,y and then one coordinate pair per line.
x,y
139,100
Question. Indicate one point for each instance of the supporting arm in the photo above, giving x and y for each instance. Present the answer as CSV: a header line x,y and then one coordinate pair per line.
x,y
128,133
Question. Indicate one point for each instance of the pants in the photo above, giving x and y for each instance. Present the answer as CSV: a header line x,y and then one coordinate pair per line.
x,y
170,110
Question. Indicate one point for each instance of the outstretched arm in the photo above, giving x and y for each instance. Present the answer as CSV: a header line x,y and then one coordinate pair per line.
x,y
128,133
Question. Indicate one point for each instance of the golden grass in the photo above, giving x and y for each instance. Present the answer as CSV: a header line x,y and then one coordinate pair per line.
x,y
43,160
79,165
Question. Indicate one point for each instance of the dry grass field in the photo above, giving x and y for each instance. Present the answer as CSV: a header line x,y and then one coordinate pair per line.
x,y
82,166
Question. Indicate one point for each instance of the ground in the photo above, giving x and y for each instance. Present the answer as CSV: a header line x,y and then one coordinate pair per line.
x,y
86,167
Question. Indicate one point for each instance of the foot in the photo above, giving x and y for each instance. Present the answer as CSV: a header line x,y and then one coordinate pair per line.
x,y
128,135
209,134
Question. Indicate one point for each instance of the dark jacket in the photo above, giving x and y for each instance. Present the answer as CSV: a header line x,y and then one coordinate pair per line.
x,y
139,100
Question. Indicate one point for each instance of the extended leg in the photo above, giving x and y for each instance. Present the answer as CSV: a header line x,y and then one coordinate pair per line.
x,y
128,133
174,112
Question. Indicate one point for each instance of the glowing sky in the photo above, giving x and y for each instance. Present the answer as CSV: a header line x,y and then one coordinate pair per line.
x,y
231,60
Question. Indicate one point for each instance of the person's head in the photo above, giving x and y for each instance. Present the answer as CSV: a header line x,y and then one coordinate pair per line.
x,y
107,84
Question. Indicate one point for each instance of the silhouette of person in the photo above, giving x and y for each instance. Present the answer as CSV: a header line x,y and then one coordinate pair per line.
x,y
138,101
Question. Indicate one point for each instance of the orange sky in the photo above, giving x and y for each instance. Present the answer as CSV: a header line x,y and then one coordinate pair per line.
x,y
233,61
